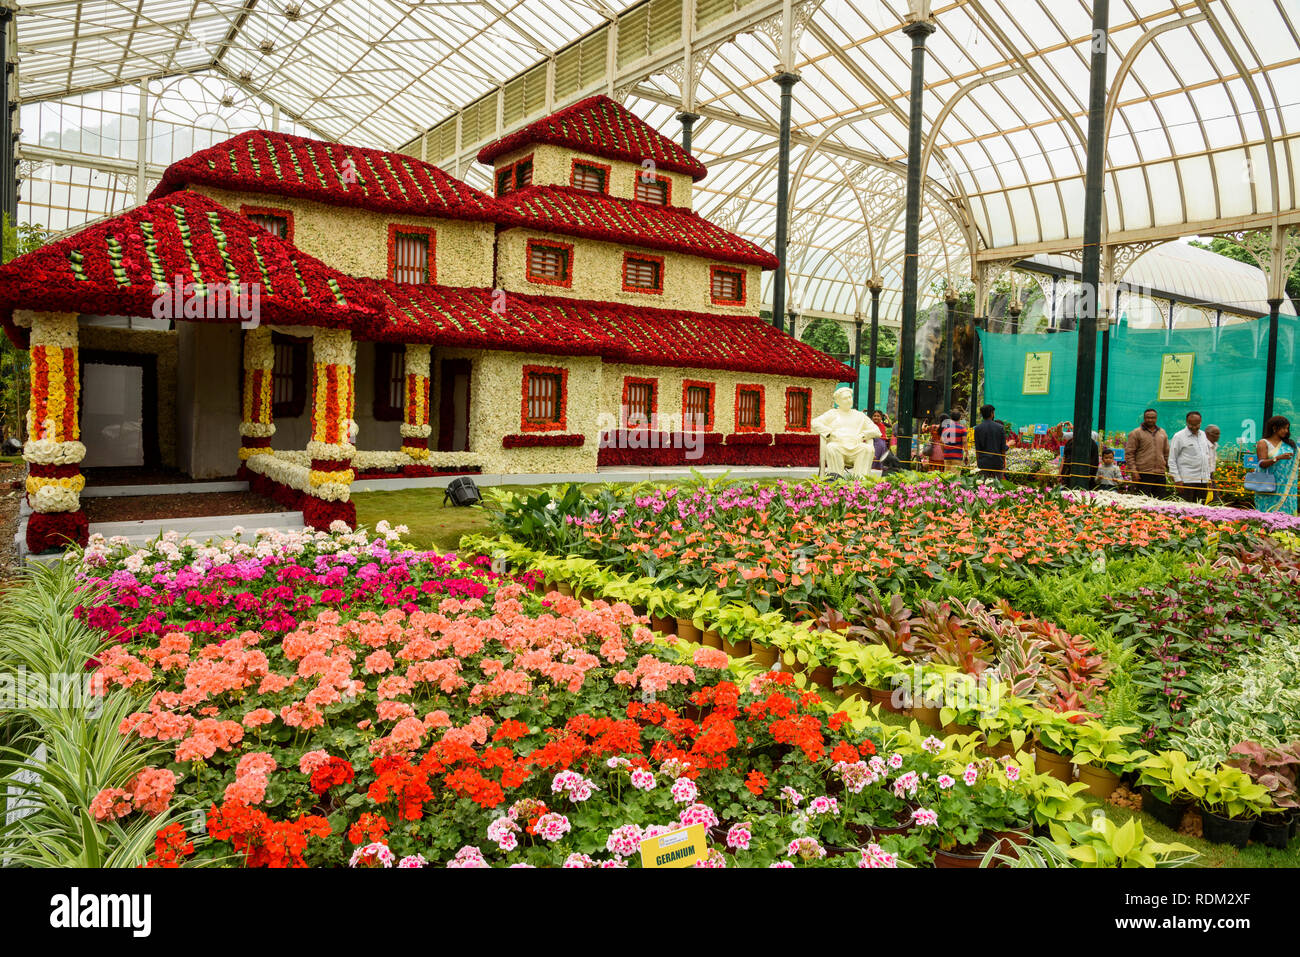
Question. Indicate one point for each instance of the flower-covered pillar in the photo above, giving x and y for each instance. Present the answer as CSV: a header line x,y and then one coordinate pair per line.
x,y
53,450
333,431
256,426
416,429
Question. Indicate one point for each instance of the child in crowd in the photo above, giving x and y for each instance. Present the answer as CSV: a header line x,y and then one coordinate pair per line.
x,y
1109,475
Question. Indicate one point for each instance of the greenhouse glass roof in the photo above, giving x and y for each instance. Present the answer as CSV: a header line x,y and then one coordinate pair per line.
x,y
1203,111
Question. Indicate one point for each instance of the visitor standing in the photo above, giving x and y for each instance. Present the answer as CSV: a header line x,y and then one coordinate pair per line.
x,y
1212,435
1146,455
1276,451
953,437
1109,475
1068,456
1189,460
990,445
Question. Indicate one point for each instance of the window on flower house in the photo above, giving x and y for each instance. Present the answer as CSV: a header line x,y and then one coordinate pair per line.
x,y
543,398
288,376
638,402
275,225
749,408
515,176
390,383
550,263
643,273
410,255
588,177
798,409
697,408
651,189
728,286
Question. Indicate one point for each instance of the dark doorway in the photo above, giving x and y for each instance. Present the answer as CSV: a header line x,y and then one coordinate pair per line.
x,y
119,408
453,406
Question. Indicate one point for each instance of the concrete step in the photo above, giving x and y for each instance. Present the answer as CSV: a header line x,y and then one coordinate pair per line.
x,y
174,488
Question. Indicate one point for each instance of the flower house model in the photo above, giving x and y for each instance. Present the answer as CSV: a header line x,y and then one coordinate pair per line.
x,y
305,312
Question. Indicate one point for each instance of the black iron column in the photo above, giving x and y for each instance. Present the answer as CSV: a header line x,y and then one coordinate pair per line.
x,y
1270,376
857,359
875,287
975,402
918,30
688,123
8,162
1105,376
1014,310
1090,274
949,346
786,81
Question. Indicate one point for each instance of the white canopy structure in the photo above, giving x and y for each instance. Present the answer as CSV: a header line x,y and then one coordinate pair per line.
x,y
1203,112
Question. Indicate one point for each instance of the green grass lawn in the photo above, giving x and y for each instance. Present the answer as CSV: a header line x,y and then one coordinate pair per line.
x,y
432,525
421,510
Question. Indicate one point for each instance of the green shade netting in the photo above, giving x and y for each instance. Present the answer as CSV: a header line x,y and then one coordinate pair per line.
x,y
1228,373
883,376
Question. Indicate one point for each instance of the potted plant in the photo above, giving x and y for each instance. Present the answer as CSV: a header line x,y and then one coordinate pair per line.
x,y
1056,737
1103,843
1276,770
1230,806
662,606
1165,782
1098,750
971,818
883,623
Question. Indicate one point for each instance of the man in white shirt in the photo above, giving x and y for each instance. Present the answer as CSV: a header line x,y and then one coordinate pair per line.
x,y
1212,435
1189,460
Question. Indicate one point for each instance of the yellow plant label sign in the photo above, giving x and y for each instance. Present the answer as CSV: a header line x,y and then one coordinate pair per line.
x,y
1038,374
1176,376
680,848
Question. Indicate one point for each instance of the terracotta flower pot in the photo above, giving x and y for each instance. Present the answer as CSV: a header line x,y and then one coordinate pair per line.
x,y
737,649
1057,765
687,631
764,655
824,675
947,859
1002,749
861,690
884,697
712,639
1101,782
564,589
663,625
927,715
953,727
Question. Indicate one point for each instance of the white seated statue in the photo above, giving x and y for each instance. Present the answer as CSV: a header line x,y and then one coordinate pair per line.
x,y
846,435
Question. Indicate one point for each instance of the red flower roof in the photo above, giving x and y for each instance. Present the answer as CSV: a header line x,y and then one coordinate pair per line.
x,y
261,161
605,128
552,325
576,212
114,267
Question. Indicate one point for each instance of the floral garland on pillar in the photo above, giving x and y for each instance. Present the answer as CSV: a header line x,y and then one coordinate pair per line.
x,y
333,431
53,450
256,427
416,429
